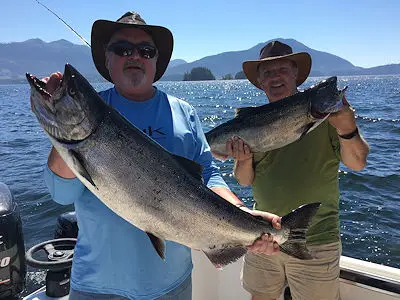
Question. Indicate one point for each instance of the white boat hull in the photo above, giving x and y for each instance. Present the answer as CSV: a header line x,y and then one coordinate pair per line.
x,y
212,284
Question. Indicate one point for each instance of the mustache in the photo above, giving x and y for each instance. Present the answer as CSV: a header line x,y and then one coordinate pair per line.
x,y
133,63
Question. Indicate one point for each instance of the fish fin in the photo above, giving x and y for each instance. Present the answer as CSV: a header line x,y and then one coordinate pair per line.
x,y
298,222
191,166
243,111
309,127
79,166
222,257
158,244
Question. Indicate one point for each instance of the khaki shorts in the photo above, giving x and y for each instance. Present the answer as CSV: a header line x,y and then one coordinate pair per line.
x,y
266,276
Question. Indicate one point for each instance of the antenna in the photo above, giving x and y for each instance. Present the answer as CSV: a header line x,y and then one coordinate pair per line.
x,y
64,23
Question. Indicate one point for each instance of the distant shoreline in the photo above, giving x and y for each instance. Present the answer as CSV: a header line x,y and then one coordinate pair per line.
x,y
23,80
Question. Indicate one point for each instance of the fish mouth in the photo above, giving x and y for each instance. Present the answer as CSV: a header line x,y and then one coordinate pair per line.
x,y
42,103
38,85
328,98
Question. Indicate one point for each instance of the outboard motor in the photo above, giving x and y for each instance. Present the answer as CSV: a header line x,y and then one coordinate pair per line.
x,y
12,249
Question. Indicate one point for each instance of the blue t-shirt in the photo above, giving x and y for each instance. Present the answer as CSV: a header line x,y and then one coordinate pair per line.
x,y
112,256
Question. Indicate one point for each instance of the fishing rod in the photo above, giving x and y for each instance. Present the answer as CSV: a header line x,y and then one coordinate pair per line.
x,y
65,23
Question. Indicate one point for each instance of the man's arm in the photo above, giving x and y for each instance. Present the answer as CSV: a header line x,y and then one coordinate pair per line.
x,y
58,166
244,172
353,151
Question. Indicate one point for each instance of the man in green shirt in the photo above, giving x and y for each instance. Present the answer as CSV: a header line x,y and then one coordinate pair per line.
x,y
303,172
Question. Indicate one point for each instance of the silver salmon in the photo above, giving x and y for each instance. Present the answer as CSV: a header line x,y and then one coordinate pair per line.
x,y
277,124
156,191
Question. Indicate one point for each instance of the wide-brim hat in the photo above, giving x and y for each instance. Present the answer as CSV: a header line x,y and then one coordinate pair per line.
x,y
276,50
102,30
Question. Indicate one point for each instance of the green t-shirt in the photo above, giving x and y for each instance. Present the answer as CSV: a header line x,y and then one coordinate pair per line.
x,y
303,172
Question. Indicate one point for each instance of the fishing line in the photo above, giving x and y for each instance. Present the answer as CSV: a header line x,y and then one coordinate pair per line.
x,y
65,23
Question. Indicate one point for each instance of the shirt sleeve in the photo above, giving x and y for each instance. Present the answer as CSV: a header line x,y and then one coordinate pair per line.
x,y
211,174
62,190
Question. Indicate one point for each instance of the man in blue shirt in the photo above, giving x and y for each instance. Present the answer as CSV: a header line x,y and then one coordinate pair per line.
x,y
113,259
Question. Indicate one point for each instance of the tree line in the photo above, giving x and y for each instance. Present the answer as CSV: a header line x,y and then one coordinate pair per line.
x,y
201,73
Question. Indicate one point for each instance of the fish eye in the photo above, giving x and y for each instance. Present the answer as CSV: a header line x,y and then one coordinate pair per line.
x,y
71,92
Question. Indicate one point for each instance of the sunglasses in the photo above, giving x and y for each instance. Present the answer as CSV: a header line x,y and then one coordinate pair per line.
x,y
124,48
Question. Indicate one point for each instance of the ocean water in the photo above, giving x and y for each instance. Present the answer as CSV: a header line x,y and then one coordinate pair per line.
x,y
370,199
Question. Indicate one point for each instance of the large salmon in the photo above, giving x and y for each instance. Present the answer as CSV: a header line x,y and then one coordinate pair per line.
x,y
279,123
160,193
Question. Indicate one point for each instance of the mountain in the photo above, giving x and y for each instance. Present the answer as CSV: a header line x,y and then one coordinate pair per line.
x,y
40,58
176,62
323,63
231,62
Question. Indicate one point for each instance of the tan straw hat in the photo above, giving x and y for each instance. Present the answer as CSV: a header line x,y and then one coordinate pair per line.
x,y
276,50
102,30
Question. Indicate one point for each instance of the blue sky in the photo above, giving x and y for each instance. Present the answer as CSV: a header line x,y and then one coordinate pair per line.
x,y
367,33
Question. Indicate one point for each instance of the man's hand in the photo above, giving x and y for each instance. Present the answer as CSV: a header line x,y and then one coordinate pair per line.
x,y
272,218
238,150
52,83
266,244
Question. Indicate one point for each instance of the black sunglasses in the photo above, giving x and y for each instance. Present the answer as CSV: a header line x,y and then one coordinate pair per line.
x,y
124,48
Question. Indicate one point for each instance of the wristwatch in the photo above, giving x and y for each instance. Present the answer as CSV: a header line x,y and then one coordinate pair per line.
x,y
349,135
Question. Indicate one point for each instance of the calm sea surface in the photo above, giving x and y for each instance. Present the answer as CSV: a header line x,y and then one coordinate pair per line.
x,y
370,199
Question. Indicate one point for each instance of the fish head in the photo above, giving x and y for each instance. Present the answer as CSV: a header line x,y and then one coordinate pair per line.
x,y
70,113
327,98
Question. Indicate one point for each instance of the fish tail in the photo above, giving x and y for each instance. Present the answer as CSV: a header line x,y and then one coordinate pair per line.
x,y
298,222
